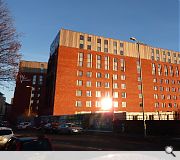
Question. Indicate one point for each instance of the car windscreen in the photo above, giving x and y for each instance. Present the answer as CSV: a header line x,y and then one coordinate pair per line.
x,y
5,132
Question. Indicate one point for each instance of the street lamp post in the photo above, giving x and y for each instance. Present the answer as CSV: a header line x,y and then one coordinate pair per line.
x,y
141,88
29,108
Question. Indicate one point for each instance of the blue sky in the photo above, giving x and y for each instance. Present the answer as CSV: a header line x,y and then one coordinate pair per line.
x,y
154,22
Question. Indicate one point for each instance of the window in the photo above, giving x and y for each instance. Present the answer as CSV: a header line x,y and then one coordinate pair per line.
x,y
174,97
155,96
88,93
139,79
122,62
171,71
115,94
78,104
164,56
99,45
115,47
80,59
78,93
123,86
162,96
98,61
34,79
98,84
89,47
159,69
175,105
105,45
167,89
115,76
156,104
163,105
123,77
81,37
89,60
121,45
98,103
98,93
89,39
106,63
81,46
79,83
115,104
161,88
41,79
123,104
165,70
106,75
153,69
88,103
173,81
169,105
140,95
106,84
161,81
157,55
88,74
115,85
177,72
139,87
115,64
88,84
154,80
79,73
121,53
155,88
168,96
123,94
167,81
98,75
107,94
152,53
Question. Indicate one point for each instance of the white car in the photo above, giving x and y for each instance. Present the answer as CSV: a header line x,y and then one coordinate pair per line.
x,y
5,135
24,125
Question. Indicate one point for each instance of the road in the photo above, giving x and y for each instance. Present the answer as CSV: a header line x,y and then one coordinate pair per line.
x,y
93,141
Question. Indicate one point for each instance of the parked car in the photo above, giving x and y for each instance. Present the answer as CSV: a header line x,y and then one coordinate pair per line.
x,y
69,128
24,125
28,144
5,135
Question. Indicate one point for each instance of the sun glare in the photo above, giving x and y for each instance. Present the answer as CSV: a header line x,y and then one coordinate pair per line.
x,y
106,103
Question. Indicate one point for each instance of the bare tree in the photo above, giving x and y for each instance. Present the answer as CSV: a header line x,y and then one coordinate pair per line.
x,y
9,46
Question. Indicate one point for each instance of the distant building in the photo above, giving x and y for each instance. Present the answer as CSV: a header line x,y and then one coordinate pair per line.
x,y
30,89
83,69
2,106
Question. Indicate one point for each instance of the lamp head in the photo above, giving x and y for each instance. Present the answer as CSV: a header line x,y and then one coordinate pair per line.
x,y
133,38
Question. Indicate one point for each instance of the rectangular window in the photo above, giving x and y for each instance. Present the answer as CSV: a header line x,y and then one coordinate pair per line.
x,y
115,76
78,93
165,70
78,104
159,69
115,104
155,96
171,71
98,103
115,95
115,85
139,87
153,69
123,94
152,54
107,94
89,60
79,73
122,62
115,64
79,83
123,104
123,86
88,84
34,79
115,47
89,47
106,63
98,84
106,84
99,45
98,61
89,39
98,93
177,72
88,74
106,75
98,75
88,103
88,93
123,77
80,59
106,46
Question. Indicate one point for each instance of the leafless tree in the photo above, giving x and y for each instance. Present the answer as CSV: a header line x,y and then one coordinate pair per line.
x,y
9,46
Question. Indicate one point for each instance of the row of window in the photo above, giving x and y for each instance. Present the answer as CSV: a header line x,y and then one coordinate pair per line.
x,y
167,89
167,81
164,105
162,96
37,79
98,104
165,70
166,56
117,63
99,75
99,42
79,93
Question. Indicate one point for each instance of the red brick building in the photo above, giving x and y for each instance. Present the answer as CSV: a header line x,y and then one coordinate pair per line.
x,y
83,69
29,95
